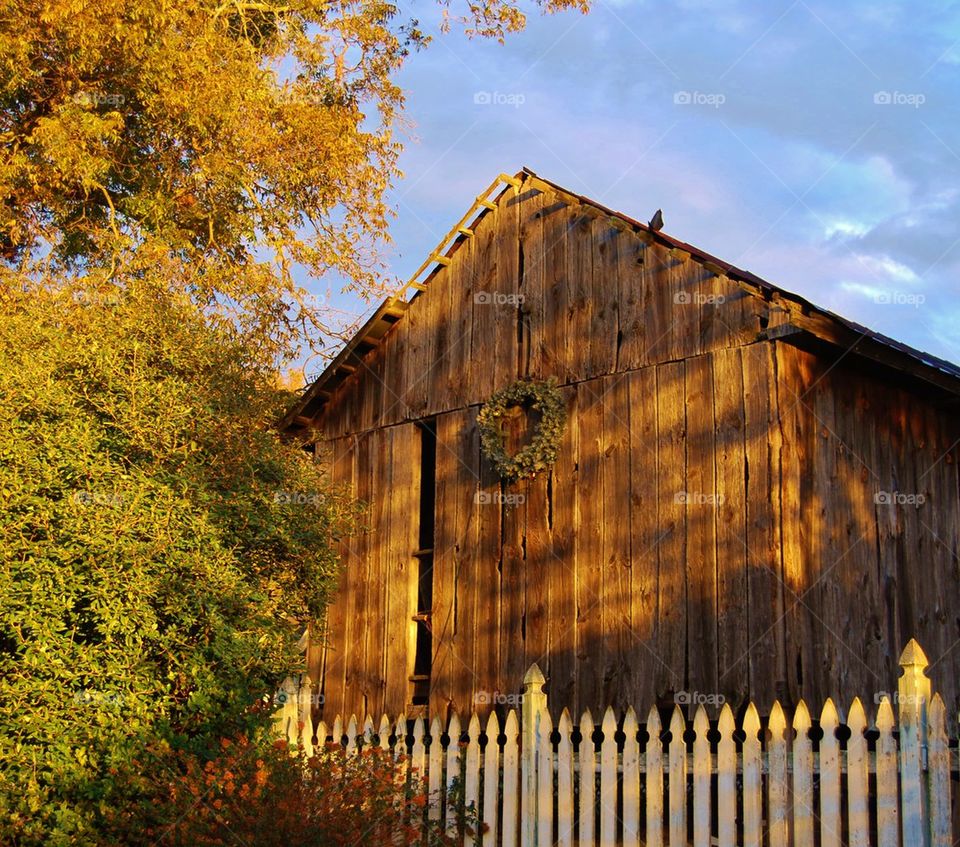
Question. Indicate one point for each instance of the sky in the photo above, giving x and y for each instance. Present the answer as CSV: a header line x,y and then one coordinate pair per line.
x,y
816,144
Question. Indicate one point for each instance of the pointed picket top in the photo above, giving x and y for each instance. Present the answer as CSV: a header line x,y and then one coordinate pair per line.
x,y
751,724
566,724
885,720
383,732
493,728
453,729
677,725
511,727
829,717
857,718
631,726
418,729
586,727
436,730
937,714
546,725
801,718
322,734
777,723
913,656
368,730
473,729
654,727
726,724
609,725
338,731
533,679
400,735
701,723
352,734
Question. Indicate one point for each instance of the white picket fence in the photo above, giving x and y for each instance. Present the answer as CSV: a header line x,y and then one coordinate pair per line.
x,y
535,784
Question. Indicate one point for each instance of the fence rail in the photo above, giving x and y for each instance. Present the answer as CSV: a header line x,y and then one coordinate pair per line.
x,y
762,783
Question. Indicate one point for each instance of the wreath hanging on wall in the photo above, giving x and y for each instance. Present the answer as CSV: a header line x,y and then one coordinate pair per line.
x,y
540,453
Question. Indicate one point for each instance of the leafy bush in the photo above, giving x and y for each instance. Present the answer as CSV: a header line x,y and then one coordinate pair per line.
x,y
155,574
251,794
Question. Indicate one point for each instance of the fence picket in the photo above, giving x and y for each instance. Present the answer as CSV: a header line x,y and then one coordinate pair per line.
x,y
352,735
777,782
858,775
400,737
726,780
653,755
453,775
418,753
511,764
913,696
471,778
829,776
631,780
322,735
802,777
383,734
337,731
588,780
565,782
368,732
491,780
888,822
435,770
608,780
702,769
306,716
677,756
752,779
938,758
544,779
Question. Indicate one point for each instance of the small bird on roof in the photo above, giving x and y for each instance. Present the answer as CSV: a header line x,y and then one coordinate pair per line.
x,y
656,222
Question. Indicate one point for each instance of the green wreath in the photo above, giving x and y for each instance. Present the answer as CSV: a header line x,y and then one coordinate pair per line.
x,y
541,452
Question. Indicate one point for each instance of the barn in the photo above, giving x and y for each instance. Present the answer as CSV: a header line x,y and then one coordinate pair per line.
x,y
746,496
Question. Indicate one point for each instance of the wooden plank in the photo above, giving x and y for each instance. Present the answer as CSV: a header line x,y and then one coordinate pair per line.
x,y
671,519
473,631
461,278
555,344
726,780
752,780
702,769
830,823
635,326
615,553
588,540
513,663
700,501
588,781
580,259
482,342
565,809
503,362
858,777
765,649
356,683
608,780
378,567
539,562
562,571
532,289
653,775
736,627
604,306
631,780
446,669
491,782
665,309
645,537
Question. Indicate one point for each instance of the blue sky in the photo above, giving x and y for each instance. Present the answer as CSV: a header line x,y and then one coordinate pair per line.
x,y
816,144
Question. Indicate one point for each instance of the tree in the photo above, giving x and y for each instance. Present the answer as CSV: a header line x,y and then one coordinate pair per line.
x,y
247,136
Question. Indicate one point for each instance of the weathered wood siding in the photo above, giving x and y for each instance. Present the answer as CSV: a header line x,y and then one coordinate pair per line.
x,y
711,525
